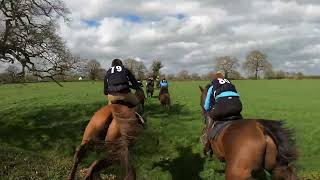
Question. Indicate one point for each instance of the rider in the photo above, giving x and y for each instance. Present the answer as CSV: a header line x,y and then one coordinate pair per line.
x,y
117,85
150,82
164,83
222,99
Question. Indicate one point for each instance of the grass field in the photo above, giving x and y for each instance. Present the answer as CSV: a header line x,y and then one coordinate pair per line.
x,y
41,124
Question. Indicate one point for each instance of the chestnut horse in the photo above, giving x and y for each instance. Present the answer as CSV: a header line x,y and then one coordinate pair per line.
x,y
164,97
250,145
113,127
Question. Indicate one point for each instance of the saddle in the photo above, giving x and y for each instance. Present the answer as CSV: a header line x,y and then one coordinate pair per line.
x,y
217,126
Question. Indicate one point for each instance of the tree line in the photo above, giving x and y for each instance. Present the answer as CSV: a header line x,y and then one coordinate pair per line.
x,y
255,65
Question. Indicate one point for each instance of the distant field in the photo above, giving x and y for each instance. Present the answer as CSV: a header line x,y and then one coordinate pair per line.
x,y
42,123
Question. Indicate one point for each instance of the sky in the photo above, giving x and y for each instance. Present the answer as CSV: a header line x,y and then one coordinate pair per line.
x,y
189,35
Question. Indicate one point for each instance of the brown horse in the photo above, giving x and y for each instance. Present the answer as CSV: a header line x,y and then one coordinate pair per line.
x,y
150,89
113,127
251,145
141,97
164,97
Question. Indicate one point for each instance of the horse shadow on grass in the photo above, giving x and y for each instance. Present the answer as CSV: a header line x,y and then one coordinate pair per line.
x,y
187,165
48,127
155,109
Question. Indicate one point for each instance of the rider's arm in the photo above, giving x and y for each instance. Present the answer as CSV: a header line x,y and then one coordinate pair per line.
x,y
105,86
132,79
207,102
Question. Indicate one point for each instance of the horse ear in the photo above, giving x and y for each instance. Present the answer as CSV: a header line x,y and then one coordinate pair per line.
x,y
201,88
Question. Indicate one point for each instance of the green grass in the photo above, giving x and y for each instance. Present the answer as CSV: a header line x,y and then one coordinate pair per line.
x,y
42,123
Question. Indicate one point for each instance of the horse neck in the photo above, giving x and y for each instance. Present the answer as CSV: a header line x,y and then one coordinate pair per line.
x,y
164,90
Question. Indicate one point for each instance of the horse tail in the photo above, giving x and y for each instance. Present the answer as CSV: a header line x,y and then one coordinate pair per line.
x,y
283,138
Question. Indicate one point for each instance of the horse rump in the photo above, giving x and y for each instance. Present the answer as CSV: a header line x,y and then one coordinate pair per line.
x,y
165,100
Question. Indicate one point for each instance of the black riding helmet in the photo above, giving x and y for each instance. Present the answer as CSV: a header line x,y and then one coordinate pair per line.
x,y
116,62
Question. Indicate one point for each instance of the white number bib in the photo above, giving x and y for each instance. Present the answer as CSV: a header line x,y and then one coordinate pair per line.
x,y
223,81
118,68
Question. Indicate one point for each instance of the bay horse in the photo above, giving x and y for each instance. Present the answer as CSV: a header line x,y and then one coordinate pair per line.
x,y
164,97
150,89
141,97
250,145
114,127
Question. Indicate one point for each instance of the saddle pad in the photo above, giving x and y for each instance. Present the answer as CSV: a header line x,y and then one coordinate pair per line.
x,y
122,102
217,127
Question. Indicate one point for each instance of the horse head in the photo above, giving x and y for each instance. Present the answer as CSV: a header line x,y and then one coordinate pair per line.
x,y
203,97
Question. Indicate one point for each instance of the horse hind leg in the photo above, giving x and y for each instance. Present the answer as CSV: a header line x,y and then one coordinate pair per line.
x,y
131,173
80,151
271,153
95,167
279,172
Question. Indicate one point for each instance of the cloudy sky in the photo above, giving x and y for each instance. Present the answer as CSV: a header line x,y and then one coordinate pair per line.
x,y
190,34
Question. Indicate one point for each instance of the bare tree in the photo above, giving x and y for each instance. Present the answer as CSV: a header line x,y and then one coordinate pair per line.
x,y
12,73
183,75
227,64
195,76
93,69
235,75
256,62
80,67
155,68
207,76
171,77
136,67
28,36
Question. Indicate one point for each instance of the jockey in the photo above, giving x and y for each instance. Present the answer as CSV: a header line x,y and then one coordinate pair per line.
x,y
117,85
164,83
150,82
222,99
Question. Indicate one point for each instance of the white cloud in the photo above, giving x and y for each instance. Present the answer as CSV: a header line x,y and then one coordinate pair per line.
x,y
190,34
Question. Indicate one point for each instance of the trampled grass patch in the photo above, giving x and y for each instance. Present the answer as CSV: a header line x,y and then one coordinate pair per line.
x,y
42,123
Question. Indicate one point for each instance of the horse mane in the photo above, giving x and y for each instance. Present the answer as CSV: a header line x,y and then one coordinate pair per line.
x,y
284,139
207,86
